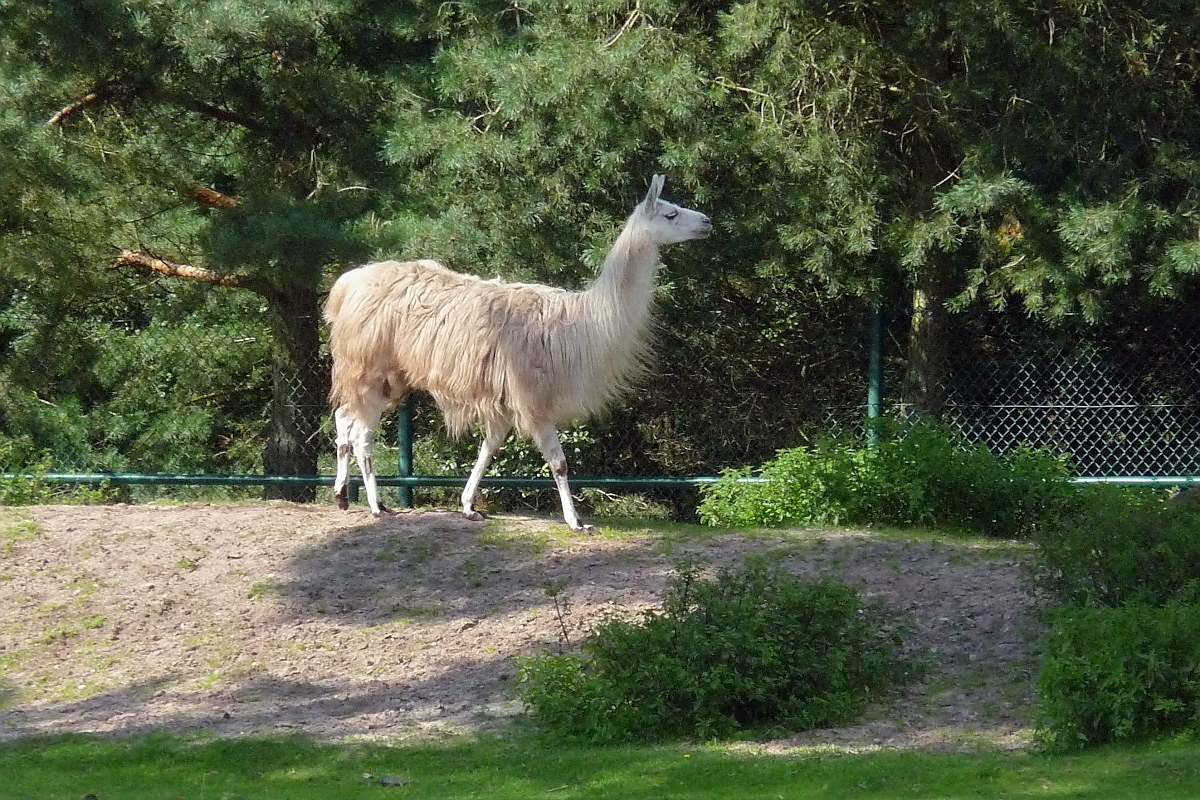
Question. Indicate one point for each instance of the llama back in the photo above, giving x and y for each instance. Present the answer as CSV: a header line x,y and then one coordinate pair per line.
x,y
485,350
401,325
390,326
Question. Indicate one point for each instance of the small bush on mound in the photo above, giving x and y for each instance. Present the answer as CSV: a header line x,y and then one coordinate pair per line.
x,y
753,647
1118,546
926,476
1120,674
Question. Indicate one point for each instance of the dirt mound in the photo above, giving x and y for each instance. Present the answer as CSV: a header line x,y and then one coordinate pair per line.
x,y
256,618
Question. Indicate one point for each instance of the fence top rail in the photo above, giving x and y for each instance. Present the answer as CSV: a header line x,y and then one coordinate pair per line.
x,y
1071,406
649,482
429,481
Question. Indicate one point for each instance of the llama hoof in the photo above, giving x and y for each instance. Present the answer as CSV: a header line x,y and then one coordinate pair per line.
x,y
382,512
474,516
342,502
584,528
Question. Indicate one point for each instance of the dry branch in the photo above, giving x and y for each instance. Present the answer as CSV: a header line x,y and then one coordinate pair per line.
x,y
217,113
210,197
106,88
101,91
129,258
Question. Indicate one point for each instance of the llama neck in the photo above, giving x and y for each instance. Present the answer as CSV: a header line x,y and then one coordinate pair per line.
x,y
609,330
625,285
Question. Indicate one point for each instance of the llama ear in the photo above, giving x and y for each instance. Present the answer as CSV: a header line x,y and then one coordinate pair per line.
x,y
656,186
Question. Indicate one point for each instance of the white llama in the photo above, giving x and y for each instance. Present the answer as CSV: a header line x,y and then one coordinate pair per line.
x,y
494,354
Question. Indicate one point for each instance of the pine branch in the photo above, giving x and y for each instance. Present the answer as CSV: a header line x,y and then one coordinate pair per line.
x,y
100,92
209,197
634,17
128,258
217,113
107,88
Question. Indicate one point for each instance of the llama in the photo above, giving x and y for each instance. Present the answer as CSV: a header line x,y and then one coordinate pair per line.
x,y
493,354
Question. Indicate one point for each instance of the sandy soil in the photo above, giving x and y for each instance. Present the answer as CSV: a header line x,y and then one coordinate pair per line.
x,y
259,618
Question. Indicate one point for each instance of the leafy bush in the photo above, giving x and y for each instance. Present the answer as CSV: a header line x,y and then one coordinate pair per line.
x,y
23,481
1122,660
925,476
752,647
1116,674
1120,545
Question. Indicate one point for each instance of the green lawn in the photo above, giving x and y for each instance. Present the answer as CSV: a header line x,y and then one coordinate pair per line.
x,y
163,768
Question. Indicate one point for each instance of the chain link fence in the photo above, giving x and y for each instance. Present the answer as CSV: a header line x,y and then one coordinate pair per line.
x,y
196,387
1123,401
176,382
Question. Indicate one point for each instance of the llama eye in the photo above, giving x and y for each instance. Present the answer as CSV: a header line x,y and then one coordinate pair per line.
x,y
671,214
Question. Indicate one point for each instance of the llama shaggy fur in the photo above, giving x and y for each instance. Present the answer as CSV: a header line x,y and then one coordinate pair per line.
x,y
493,354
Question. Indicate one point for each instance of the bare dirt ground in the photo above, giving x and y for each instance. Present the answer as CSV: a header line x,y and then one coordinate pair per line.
x,y
259,618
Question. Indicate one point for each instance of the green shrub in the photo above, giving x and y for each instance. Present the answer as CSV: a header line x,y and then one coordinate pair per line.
x,y
1119,545
778,496
926,476
1122,660
26,482
1117,674
753,647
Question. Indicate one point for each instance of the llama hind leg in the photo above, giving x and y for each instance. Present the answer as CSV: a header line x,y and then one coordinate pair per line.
x,y
343,423
362,438
492,439
548,442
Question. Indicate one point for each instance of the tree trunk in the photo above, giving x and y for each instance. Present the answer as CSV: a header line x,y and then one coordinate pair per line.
x,y
924,380
298,389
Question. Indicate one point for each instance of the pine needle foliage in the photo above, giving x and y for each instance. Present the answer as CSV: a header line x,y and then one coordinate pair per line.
x,y
1040,156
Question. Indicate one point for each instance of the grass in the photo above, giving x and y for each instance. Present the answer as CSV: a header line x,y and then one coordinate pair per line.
x,y
16,527
161,767
263,588
155,767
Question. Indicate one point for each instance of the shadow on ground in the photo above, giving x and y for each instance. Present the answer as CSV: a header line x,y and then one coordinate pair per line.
x,y
259,618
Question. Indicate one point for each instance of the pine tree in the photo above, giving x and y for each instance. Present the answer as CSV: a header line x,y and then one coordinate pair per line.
x,y
943,154
968,152
231,143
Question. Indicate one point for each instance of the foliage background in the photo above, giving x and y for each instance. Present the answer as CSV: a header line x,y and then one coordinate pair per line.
x,y
962,162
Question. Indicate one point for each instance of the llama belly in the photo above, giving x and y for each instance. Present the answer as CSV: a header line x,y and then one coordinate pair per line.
x,y
461,416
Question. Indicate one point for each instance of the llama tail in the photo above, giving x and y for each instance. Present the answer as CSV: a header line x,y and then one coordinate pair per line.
x,y
333,308
333,303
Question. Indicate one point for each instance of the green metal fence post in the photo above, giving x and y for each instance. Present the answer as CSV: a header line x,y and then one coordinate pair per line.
x,y
404,422
874,370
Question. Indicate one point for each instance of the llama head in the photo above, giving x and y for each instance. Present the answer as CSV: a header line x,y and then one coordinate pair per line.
x,y
667,223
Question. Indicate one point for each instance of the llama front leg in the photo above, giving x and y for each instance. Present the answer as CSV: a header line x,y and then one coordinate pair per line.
x,y
492,439
343,424
547,441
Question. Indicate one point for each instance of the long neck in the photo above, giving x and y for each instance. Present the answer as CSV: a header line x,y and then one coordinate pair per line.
x,y
625,285
609,328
